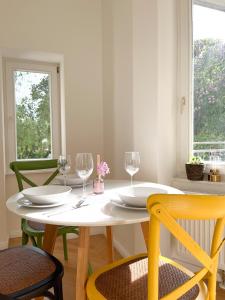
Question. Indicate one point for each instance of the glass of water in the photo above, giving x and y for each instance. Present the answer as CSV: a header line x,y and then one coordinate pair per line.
x,y
132,164
84,168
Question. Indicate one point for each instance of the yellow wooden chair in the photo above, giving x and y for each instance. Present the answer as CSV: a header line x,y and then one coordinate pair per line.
x,y
151,276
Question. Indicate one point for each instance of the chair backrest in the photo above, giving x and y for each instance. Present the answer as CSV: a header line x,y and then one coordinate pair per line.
x,y
19,166
166,210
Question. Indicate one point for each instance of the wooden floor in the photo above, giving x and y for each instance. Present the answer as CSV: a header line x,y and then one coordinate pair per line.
x,y
97,258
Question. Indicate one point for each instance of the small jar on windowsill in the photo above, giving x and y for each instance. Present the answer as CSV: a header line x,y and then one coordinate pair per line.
x,y
98,185
214,175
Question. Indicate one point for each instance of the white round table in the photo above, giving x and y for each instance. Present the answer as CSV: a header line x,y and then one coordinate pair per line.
x,y
100,211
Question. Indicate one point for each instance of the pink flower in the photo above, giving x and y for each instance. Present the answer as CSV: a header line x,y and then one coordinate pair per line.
x,y
103,169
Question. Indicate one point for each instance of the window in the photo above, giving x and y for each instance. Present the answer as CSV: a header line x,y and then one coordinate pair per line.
x,y
208,81
32,110
201,81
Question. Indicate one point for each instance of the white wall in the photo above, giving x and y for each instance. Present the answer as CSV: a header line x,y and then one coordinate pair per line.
x,y
167,93
139,90
108,83
145,86
167,99
3,211
73,30
119,59
143,91
118,99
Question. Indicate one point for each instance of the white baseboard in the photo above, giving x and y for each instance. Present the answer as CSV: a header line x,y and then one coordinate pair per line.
x,y
192,267
3,245
121,249
187,264
15,234
97,230
94,231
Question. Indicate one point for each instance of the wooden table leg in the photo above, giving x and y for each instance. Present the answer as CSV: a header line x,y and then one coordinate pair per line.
x,y
82,263
49,242
145,229
50,238
110,250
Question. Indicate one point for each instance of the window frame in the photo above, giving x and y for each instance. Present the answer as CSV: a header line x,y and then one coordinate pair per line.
x,y
185,83
215,4
9,66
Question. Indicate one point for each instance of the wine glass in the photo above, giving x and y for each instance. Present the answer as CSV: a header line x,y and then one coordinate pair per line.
x,y
132,164
84,168
64,165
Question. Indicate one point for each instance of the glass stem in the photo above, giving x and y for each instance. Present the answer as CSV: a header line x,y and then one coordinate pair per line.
x,y
84,188
64,179
131,180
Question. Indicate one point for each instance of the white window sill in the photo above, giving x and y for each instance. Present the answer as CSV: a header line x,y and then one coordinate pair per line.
x,y
203,186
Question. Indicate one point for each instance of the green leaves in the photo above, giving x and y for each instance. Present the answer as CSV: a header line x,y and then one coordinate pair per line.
x,y
209,92
33,120
195,160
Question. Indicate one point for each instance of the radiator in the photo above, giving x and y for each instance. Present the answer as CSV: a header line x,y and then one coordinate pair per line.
x,y
201,232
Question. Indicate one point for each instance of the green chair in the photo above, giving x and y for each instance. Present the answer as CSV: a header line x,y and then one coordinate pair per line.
x,y
30,229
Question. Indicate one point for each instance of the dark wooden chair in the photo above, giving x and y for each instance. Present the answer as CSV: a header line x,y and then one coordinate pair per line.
x,y
30,229
28,272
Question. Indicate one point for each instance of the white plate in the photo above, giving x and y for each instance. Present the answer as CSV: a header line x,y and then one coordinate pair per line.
x,y
74,186
27,203
46,194
71,180
120,203
137,196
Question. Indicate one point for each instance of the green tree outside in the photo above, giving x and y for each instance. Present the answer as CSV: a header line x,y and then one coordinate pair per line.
x,y
209,94
33,120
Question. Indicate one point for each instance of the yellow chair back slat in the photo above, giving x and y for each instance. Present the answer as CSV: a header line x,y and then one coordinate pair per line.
x,y
199,207
190,244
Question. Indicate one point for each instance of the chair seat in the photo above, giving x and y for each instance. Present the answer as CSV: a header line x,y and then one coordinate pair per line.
x,y
23,267
36,225
41,227
128,281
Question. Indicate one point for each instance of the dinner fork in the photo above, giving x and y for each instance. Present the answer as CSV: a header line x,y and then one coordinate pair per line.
x,y
78,205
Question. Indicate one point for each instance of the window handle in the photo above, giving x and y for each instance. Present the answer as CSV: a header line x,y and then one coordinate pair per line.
x,y
182,104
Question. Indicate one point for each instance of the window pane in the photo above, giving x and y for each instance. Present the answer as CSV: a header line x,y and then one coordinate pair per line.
x,y
33,124
209,82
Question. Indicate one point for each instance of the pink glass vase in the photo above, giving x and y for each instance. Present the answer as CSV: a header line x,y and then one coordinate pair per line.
x,y
98,185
